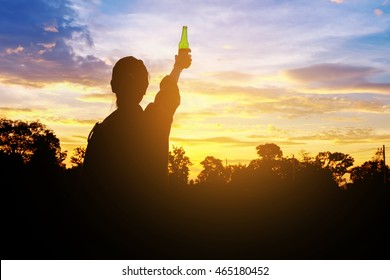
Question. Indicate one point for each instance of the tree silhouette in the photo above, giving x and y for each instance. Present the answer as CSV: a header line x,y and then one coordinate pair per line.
x,y
178,167
213,171
269,151
269,162
232,171
15,139
74,172
78,157
370,173
265,170
46,150
35,193
337,163
32,141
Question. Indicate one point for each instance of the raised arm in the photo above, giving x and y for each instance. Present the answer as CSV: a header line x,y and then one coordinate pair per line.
x,y
159,117
168,98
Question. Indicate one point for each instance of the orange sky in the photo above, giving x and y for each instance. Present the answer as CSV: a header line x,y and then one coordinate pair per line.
x,y
306,75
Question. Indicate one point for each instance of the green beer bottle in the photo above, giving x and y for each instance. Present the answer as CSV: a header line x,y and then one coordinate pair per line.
x,y
184,46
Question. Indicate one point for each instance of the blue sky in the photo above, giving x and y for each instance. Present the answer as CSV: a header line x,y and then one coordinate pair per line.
x,y
306,75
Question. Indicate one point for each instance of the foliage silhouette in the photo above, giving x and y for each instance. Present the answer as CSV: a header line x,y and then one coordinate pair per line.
x,y
275,208
178,167
269,151
78,157
370,173
33,141
337,163
213,171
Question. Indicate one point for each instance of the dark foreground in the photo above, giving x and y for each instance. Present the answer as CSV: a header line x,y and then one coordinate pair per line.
x,y
200,222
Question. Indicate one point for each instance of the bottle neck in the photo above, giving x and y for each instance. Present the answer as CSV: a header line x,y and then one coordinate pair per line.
x,y
183,44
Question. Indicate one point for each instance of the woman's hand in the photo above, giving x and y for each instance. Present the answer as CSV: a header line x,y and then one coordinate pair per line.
x,y
183,59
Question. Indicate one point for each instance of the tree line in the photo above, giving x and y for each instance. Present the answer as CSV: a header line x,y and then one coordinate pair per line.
x,y
303,208
335,167
32,144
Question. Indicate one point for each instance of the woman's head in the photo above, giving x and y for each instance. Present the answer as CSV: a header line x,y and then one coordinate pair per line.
x,y
129,82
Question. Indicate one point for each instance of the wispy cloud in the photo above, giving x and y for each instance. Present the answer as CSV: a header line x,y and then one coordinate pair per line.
x,y
72,121
323,74
252,101
231,142
219,140
98,97
339,76
347,135
18,49
13,109
51,29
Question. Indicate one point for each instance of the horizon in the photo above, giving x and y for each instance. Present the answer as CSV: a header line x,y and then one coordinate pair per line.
x,y
312,76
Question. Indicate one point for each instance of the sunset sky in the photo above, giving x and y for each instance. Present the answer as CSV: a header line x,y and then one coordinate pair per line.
x,y
305,75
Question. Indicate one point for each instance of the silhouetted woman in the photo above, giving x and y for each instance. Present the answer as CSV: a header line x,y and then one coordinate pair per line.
x,y
127,157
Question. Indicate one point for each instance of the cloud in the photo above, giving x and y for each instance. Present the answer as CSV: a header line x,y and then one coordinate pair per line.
x,y
259,35
72,121
22,113
337,95
233,142
195,116
98,97
15,50
338,76
331,73
13,109
222,140
235,76
35,45
51,29
337,1
347,135
305,105
378,12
